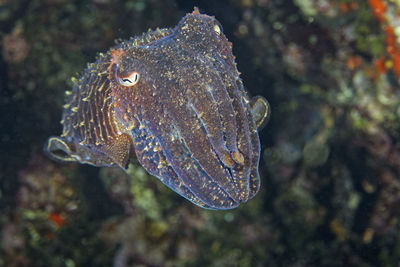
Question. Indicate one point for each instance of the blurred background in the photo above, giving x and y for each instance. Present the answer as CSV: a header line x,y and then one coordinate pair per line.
x,y
330,161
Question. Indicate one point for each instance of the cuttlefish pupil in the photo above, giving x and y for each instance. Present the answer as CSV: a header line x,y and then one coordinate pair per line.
x,y
190,122
131,80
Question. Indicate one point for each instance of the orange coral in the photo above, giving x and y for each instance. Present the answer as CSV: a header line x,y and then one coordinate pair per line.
x,y
396,64
392,49
378,8
57,219
353,62
347,7
380,65
390,40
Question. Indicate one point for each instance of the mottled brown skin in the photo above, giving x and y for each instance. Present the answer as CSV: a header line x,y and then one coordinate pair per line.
x,y
188,118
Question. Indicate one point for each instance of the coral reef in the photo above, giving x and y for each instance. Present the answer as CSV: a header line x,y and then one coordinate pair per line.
x,y
330,170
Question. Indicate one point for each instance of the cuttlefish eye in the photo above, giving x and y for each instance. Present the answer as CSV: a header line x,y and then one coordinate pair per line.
x,y
217,29
130,80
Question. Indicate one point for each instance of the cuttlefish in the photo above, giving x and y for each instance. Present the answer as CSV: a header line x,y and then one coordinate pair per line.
x,y
174,99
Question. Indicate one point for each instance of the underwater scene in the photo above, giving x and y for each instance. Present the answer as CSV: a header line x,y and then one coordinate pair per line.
x,y
199,133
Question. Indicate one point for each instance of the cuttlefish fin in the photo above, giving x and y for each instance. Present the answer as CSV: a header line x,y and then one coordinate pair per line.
x,y
261,111
58,149
114,152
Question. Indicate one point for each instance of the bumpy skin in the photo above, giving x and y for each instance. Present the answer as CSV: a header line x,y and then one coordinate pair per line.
x,y
188,118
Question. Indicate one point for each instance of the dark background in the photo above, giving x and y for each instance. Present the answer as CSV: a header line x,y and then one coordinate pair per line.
x,y
330,154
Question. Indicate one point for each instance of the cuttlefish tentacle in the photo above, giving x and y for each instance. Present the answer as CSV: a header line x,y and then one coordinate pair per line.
x,y
178,155
234,89
240,174
241,178
204,105
150,155
193,129
219,120
254,183
230,77
224,104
